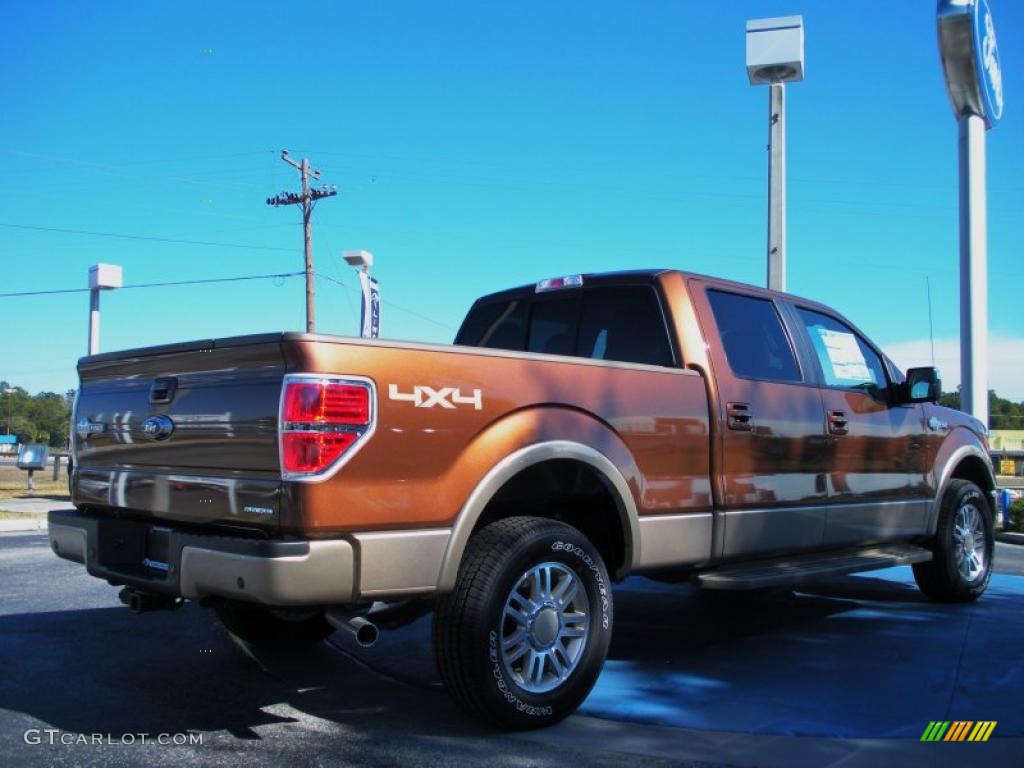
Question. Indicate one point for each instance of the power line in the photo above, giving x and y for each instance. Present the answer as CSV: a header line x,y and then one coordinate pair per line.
x,y
173,240
399,307
279,275
275,276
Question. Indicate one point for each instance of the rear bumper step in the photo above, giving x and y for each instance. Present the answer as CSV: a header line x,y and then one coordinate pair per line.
x,y
790,570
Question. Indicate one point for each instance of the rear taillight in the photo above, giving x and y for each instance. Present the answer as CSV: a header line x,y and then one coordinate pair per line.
x,y
323,421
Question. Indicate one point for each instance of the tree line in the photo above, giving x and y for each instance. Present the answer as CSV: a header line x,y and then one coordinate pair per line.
x,y
40,418
1002,413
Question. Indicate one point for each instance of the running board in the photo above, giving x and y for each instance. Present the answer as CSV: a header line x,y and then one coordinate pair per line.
x,y
790,570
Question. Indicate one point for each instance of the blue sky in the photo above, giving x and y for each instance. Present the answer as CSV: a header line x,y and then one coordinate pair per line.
x,y
477,146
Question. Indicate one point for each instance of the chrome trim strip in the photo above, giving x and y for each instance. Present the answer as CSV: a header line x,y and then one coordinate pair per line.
x,y
668,540
515,463
400,562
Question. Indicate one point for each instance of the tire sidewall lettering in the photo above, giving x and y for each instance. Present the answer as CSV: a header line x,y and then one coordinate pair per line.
x,y
503,688
588,563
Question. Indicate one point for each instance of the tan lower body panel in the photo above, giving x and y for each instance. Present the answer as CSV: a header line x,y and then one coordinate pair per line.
x,y
323,576
668,540
400,562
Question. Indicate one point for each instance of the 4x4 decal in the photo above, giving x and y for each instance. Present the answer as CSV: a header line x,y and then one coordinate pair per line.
x,y
423,396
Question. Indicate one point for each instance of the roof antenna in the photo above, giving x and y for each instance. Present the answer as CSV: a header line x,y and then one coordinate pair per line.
x,y
931,334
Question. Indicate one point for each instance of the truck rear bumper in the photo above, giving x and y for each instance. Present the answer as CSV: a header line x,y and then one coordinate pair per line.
x,y
175,562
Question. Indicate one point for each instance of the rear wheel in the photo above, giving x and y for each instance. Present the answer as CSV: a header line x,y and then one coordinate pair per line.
x,y
522,638
964,543
278,629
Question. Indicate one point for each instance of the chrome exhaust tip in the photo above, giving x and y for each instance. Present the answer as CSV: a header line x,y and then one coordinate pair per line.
x,y
364,631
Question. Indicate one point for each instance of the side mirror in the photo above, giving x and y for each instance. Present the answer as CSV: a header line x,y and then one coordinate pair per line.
x,y
923,385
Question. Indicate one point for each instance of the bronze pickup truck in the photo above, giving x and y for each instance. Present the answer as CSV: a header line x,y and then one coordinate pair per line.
x,y
579,430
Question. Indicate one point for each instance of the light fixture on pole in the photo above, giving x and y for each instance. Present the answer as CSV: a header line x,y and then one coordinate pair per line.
x,y
775,56
102,277
974,79
369,316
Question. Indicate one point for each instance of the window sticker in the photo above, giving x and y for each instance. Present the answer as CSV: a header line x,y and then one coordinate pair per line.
x,y
844,353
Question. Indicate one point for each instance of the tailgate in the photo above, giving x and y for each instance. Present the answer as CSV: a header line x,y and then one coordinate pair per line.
x,y
185,432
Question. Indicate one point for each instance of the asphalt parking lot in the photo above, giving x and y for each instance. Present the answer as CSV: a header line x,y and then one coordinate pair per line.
x,y
847,673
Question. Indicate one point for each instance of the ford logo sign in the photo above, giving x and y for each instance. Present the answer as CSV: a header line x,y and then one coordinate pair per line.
x,y
970,59
158,427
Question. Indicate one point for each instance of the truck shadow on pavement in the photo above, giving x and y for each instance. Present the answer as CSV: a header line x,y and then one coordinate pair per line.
x,y
855,657
108,671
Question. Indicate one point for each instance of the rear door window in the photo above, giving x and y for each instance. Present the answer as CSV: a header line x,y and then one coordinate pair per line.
x,y
623,323
755,342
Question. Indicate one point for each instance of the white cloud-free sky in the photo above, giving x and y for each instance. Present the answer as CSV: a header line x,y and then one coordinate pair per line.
x,y
477,146
1005,354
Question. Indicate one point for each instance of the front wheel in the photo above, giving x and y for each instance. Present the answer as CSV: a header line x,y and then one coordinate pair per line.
x,y
522,638
961,566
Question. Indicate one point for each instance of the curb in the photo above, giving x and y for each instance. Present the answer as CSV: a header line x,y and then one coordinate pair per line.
x,y
24,524
1010,538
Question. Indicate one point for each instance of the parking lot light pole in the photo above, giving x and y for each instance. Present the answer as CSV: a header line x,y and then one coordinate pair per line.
x,y
775,56
102,277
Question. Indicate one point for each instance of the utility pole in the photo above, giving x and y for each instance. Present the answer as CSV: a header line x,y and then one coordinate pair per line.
x,y
306,199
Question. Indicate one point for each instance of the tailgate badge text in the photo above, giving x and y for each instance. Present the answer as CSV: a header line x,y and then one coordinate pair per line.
x,y
86,427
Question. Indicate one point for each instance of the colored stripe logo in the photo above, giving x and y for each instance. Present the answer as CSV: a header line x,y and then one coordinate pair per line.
x,y
958,730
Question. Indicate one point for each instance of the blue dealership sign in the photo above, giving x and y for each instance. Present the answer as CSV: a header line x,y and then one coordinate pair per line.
x,y
986,59
970,58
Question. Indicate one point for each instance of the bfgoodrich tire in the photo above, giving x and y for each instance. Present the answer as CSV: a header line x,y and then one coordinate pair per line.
x,y
964,543
273,629
522,638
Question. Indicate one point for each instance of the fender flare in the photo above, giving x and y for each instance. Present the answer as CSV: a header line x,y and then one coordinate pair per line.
x,y
515,463
954,459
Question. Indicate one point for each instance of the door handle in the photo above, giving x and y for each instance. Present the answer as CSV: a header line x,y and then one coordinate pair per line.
x,y
738,416
837,424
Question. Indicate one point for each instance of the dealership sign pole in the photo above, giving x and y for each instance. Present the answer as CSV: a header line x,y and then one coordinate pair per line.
x,y
970,61
369,319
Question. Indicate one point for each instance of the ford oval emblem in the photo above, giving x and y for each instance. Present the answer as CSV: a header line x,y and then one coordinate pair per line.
x,y
158,427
